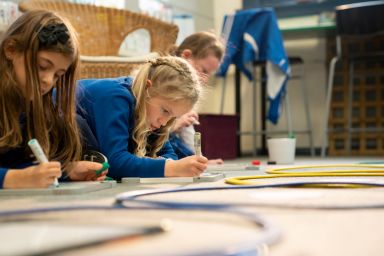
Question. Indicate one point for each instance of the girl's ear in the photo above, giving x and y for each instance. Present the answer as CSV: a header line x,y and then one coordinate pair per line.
x,y
186,54
148,84
9,49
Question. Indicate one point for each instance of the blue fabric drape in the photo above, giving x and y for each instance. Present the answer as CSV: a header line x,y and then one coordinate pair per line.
x,y
255,36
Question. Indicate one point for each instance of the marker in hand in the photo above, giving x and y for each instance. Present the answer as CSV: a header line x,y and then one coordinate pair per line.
x,y
197,142
39,154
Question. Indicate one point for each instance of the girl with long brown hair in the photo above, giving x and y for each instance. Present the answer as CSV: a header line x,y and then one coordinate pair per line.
x,y
39,55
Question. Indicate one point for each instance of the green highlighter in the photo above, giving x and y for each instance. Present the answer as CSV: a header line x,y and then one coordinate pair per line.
x,y
95,156
105,167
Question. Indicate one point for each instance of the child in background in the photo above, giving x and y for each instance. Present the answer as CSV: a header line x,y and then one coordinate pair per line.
x,y
37,53
131,119
204,51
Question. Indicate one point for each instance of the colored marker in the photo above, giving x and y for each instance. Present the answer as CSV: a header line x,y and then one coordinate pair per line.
x,y
39,154
105,167
197,143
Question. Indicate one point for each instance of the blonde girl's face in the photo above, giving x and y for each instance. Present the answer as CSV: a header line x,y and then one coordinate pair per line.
x,y
160,111
50,65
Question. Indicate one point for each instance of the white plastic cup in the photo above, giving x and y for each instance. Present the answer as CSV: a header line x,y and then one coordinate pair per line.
x,y
282,150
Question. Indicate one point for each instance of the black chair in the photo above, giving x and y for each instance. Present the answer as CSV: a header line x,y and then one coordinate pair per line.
x,y
253,44
293,61
359,21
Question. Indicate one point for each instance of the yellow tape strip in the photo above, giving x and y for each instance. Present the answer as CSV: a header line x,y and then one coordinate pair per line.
x,y
375,170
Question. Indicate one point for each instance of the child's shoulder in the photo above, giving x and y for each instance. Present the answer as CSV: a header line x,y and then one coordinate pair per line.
x,y
102,81
106,90
106,85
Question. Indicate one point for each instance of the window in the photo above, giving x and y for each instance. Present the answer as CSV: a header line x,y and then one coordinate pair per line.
x,y
120,4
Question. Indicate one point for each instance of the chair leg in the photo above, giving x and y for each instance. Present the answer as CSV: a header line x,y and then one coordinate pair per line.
x,y
350,106
254,128
308,116
328,103
223,88
288,110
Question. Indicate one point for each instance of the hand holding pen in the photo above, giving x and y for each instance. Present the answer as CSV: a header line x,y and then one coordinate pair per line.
x,y
197,143
40,156
190,166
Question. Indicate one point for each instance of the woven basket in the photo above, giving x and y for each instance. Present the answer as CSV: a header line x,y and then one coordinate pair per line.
x,y
102,30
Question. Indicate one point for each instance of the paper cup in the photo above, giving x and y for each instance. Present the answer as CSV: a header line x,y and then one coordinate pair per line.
x,y
282,150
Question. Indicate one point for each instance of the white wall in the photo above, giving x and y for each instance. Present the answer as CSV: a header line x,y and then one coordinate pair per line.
x,y
212,102
311,46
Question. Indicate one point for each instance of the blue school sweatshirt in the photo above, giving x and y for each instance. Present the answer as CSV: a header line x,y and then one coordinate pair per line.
x,y
108,106
3,172
18,157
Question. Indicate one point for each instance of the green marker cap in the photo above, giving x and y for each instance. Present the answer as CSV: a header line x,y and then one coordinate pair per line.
x,y
105,167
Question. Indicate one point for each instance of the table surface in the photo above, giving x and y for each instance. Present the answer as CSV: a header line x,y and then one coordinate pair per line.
x,y
304,231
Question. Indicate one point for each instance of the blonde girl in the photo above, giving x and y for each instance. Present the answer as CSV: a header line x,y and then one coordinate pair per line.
x,y
131,118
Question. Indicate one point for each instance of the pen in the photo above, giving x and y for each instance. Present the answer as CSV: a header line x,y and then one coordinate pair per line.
x,y
39,154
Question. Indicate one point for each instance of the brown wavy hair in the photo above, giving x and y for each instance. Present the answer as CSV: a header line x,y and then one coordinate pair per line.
x,y
201,44
51,120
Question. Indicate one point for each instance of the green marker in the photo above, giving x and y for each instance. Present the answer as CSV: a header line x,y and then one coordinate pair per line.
x,y
105,167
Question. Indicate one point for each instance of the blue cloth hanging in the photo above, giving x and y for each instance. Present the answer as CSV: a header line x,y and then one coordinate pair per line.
x,y
255,36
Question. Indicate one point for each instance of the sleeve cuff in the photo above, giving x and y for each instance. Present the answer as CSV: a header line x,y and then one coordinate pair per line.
x,y
3,172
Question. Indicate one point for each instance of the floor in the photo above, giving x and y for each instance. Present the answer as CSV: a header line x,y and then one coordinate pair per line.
x,y
286,221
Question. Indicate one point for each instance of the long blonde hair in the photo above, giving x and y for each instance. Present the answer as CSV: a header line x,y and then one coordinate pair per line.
x,y
53,123
173,79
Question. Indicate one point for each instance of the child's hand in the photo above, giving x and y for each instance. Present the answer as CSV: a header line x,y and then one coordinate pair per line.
x,y
86,171
185,120
37,176
215,161
190,166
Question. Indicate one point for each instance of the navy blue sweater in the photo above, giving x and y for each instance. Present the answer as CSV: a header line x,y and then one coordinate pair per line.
x,y
19,157
16,158
108,106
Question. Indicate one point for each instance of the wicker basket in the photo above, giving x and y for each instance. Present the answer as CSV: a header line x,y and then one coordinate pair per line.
x,y
102,30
